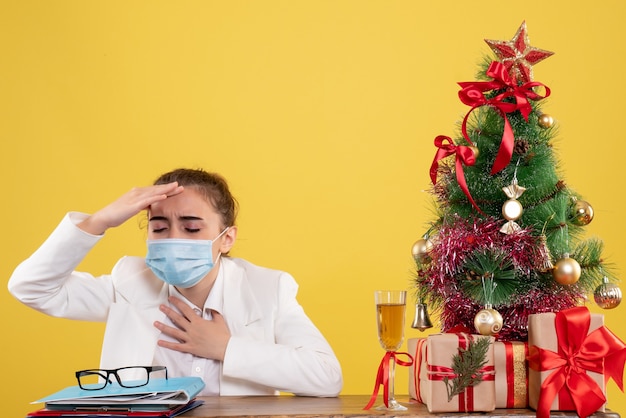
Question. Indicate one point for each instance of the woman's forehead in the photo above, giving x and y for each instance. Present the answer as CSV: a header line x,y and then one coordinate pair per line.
x,y
188,202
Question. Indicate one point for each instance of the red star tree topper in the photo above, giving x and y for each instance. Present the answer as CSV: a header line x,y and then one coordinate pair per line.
x,y
517,55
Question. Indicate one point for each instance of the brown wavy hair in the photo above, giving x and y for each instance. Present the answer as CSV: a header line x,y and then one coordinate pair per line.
x,y
212,186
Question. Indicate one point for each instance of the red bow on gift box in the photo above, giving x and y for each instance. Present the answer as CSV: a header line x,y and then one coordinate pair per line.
x,y
600,351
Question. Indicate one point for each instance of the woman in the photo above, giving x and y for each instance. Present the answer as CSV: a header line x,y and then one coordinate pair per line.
x,y
186,305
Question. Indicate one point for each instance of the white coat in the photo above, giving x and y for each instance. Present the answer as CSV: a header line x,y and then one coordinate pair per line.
x,y
273,347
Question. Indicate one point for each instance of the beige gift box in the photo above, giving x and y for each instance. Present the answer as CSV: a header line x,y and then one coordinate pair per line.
x,y
416,348
433,359
542,333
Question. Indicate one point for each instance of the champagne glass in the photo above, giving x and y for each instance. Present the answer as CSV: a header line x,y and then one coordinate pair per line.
x,y
390,310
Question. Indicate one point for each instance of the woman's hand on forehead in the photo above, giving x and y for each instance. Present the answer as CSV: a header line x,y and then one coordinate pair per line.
x,y
127,206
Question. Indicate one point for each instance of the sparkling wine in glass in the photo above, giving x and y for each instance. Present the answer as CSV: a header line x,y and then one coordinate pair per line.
x,y
390,310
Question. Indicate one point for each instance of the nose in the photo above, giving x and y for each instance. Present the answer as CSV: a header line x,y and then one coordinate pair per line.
x,y
174,233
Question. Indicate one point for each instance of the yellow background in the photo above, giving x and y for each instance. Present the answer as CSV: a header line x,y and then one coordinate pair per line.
x,y
320,113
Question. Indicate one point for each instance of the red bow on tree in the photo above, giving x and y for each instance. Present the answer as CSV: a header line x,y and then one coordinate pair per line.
x,y
513,98
464,156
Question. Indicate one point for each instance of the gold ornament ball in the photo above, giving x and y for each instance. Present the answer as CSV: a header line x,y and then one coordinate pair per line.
x,y
582,213
512,210
488,321
607,295
566,271
421,248
545,121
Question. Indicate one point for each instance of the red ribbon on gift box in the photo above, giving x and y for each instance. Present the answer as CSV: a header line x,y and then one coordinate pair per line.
x,y
439,373
510,373
382,377
600,351
417,368
513,98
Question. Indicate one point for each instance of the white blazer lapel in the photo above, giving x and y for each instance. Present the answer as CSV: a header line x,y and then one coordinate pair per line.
x,y
243,316
130,337
240,305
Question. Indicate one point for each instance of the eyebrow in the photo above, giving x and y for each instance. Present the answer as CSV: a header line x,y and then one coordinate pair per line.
x,y
182,218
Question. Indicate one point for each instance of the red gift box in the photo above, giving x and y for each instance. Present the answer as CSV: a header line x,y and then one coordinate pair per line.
x,y
433,360
511,374
571,356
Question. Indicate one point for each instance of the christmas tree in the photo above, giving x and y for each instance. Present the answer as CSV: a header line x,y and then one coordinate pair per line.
x,y
508,238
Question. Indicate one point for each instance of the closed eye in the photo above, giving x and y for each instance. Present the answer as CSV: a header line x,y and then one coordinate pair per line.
x,y
158,224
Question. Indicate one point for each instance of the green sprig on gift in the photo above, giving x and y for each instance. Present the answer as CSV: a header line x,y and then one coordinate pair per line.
x,y
467,365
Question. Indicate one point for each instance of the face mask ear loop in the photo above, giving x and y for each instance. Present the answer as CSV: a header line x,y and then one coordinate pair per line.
x,y
221,233
219,253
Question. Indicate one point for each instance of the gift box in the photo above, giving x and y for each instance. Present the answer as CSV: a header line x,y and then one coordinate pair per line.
x,y
434,376
416,348
571,355
511,374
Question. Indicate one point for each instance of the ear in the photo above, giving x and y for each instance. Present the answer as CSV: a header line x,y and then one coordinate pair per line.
x,y
228,240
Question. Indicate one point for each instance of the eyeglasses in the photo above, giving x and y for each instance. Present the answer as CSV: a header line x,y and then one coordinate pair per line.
x,y
127,377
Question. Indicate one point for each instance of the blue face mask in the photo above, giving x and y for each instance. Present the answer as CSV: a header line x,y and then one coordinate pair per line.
x,y
181,262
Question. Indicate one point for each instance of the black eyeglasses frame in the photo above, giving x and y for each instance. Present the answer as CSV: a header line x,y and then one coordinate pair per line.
x,y
105,374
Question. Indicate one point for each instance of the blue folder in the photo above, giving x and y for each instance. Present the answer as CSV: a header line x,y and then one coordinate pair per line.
x,y
157,394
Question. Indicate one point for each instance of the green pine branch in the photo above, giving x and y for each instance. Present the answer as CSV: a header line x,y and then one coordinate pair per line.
x,y
491,265
466,366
